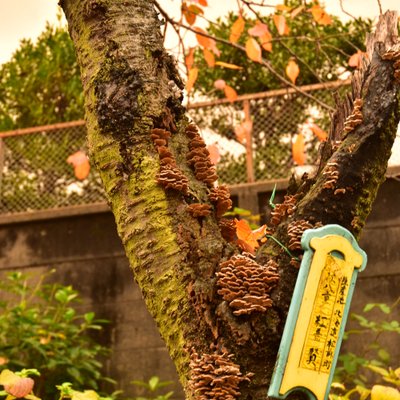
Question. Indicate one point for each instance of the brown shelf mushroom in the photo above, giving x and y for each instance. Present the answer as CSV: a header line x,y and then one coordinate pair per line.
x,y
245,285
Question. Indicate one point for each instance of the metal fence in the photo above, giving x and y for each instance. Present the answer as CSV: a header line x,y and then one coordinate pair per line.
x,y
250,139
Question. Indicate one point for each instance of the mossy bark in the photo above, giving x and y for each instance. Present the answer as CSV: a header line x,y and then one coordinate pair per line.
x,y
131,87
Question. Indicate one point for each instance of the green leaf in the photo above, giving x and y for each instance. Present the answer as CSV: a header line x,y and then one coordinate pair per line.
x,y
363,392
153,383
61,296
89,317
378,370
384,355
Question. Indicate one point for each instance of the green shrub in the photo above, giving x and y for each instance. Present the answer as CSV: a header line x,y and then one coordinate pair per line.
x,y
41,328
373,373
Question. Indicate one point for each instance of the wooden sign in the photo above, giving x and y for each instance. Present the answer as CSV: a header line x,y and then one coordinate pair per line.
x,y
318,312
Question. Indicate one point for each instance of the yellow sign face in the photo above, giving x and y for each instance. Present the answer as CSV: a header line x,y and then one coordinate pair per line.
x,y
315,338
326,317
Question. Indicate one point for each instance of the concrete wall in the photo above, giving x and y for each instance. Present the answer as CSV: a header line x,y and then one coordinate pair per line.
x,y
82,245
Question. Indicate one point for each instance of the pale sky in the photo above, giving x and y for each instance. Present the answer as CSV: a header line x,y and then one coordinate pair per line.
x,y
27,18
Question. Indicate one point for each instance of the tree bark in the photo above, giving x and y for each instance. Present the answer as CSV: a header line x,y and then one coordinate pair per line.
x,y
168,212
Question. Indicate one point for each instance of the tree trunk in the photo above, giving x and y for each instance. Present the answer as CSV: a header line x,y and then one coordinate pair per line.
x,y
160,185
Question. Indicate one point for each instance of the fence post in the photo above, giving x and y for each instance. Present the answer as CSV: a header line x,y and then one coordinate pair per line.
x,y
249,142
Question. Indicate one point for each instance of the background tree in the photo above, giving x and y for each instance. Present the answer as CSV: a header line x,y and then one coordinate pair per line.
x,y
160,184
40,85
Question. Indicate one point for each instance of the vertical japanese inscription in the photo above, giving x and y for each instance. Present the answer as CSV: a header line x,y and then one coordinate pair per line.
x,y
326,317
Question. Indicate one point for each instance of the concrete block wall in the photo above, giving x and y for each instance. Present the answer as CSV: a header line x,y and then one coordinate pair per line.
x,y
82,245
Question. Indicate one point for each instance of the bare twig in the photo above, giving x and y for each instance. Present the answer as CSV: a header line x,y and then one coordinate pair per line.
x,y
380,7
344,11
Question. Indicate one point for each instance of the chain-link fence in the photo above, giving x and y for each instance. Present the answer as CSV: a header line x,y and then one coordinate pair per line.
x,y
249,139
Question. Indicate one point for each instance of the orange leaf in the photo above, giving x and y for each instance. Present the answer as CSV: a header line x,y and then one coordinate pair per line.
x,y
296,12
320,16
247,238
189,58
266,43
80,163
192,77
259,29
253,50
230,93
215,156
236,30
209,57
298,150
82,171
318,132
240,133
292,71
281,25
282,7
189,15
203,3
203,40
356,59
243,130
220,84
227,65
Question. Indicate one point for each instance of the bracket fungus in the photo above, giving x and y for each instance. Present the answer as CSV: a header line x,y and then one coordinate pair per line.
x,y
222,198
295,231
199,210
288,207
245,284
215,376
228,229
198,157
331,175
354,119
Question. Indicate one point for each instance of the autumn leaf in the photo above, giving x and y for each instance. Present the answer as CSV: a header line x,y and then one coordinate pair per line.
x,y
320,16
296,12
356,59
298,150
15,385
237,29
292,70
243,131
192,77
261,30
247,238
258,30
266,43
190,12
209,57
282,7
253,50
227,65
215,155
202,2
219,84
230,93
189,58
318,132
4,360
80,163
281,24
202,40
